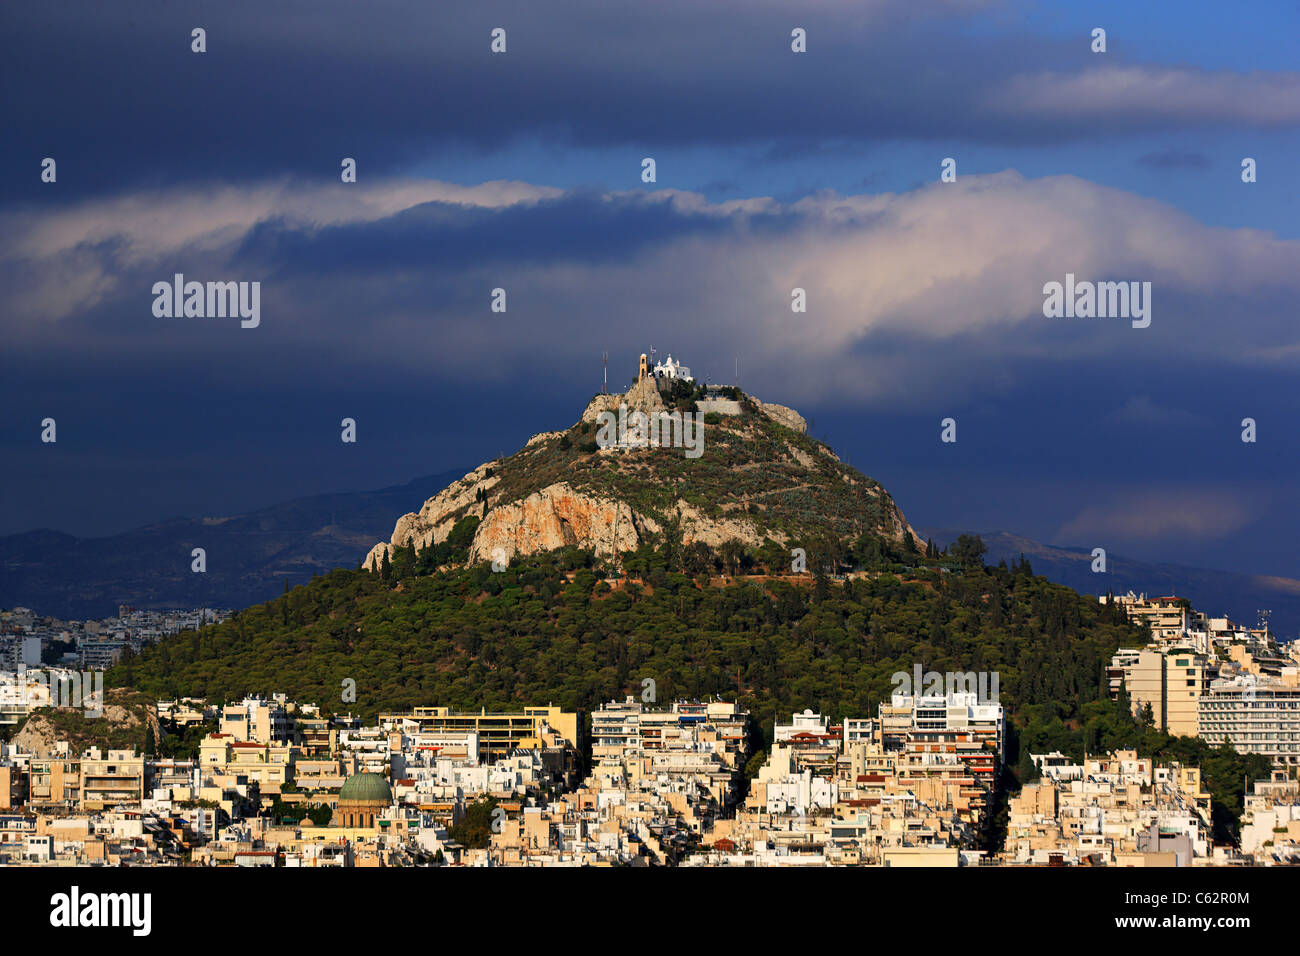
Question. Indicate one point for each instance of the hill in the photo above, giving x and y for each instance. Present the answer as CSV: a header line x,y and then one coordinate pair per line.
x,y
758,481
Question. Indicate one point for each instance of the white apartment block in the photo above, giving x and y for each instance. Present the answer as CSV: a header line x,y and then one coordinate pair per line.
x,y
257,720
805,725
937,723
1270,823
1257,715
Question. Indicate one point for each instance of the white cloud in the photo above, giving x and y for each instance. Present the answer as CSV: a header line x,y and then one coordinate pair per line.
x,y
1152,94
941,285
154,223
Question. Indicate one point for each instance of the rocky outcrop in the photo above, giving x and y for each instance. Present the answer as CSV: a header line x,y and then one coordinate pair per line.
x,y
558,517
434,521
642,397
541,437
597,405
127,714
783,416
715,531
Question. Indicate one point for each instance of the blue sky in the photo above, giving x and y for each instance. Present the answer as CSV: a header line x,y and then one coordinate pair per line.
x,y
774,169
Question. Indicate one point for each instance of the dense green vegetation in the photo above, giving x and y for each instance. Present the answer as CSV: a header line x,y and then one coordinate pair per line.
x,y
548,628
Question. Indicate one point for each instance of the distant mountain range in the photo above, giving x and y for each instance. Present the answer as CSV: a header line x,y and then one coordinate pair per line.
x,y
1239,596
249,556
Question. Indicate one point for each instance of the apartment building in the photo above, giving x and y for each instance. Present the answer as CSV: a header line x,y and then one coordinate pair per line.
x,y
13,786
269,766
1257,715
498,733
1270,822
173,779
1171,679
619,728
54,781
954,723
186,711
257,720
14,831
806,725
1168,617
316,735
113,779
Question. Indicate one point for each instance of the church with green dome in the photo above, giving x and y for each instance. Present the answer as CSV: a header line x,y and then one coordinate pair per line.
x,y
362,798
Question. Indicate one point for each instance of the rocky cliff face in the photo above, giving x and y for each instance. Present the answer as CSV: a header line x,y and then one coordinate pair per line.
x,y
758,483
433,522
556,517
783,416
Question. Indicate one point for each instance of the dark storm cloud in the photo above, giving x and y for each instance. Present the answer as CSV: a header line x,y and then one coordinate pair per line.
x,y
115,94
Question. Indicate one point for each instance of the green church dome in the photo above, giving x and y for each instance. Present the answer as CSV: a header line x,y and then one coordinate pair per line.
x,y
367,786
